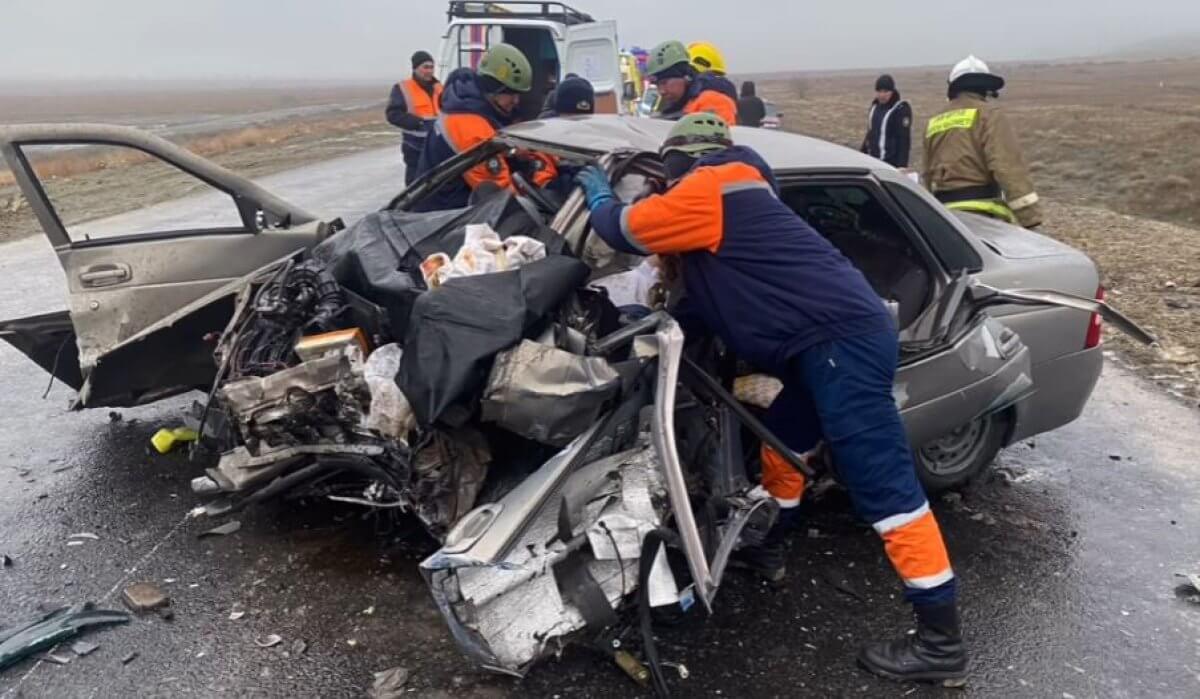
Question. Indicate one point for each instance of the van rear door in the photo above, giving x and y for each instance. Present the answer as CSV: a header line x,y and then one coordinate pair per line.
x,y
593,53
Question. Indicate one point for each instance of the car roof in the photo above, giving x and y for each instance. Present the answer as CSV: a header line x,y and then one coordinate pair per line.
x,y
606,133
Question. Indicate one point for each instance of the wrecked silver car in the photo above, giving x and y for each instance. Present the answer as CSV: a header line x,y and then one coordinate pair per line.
x,y
505,377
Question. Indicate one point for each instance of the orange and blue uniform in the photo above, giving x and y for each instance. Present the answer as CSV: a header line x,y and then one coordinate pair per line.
x,y
784,298
707,93
467,119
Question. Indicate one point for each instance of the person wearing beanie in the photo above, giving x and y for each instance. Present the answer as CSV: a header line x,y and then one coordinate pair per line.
x,y
682,90
476,104
573,96
412,107
889,125
751,109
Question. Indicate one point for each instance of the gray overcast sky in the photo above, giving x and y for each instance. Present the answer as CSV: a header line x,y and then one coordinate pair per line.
x,y
371,39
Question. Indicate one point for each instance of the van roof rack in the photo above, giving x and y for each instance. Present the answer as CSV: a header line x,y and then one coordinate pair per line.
x,y
519,9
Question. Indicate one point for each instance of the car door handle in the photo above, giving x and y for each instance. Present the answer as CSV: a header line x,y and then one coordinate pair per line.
x,y
105,275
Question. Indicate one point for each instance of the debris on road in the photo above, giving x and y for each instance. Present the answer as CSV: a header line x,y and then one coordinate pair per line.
x,y
55,659
82,648
299,647
234,616
129,658
231,527
6,561
389,684
167,439
269,641
1190,590
85,535
144,597
51,629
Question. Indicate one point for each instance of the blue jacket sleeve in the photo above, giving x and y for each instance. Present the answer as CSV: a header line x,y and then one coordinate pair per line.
x,y
606,222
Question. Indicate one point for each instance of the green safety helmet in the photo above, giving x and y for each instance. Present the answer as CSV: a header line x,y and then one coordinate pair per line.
x,y
696,134
505,64
667,55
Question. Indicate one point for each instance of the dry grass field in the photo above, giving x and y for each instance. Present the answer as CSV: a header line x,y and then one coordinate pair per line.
x,y
1115,151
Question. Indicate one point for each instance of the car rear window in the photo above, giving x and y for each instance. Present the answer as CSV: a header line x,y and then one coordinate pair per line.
x,y
947,242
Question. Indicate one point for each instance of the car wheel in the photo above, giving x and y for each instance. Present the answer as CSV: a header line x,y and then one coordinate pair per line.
x,y
953,460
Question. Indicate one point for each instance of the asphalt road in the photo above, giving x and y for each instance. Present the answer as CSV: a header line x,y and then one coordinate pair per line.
x,y
1067,557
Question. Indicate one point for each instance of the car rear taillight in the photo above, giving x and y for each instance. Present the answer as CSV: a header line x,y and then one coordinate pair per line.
x,y
1095,332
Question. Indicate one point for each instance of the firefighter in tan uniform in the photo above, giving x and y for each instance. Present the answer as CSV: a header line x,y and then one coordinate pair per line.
x,y
972,159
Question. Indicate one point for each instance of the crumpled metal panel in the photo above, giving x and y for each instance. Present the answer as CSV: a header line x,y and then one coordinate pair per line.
x,y
247,397
507,614
547,394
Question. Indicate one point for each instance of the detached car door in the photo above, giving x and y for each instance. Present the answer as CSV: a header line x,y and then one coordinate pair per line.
x,y
592,52
141,228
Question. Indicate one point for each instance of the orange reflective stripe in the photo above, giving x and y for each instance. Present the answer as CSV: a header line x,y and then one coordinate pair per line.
x,y
548,171
917,551
713,102
421,103
465,131
690,216
781,479
686,218
494,169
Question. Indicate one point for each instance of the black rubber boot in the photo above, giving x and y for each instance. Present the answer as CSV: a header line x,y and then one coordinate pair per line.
x,y
935,653
769,559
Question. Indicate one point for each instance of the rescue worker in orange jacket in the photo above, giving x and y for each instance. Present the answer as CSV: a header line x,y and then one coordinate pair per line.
x,y
475,105
783,298
413,106
972,159
683,90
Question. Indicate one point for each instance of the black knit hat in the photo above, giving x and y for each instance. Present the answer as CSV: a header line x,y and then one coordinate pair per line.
x,y
575,95
421,57
885,82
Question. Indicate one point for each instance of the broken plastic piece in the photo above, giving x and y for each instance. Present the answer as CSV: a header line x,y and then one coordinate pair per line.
x,y
269,642
144,596
389,684
167,438
82,648
390,414
48,631
231,527
311,347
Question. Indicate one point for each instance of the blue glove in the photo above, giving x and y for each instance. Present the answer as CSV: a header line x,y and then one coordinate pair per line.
x,y
595,186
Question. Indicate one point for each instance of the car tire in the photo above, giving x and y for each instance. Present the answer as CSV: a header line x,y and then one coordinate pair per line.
x,y
954,460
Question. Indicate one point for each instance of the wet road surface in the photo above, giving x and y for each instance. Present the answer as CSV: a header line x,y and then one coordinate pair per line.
x,y
1066,554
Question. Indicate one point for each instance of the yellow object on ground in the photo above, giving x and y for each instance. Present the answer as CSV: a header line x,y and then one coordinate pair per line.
x,y
165,439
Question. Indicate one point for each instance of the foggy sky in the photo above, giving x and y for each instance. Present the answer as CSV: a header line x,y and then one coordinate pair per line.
x,y
372,39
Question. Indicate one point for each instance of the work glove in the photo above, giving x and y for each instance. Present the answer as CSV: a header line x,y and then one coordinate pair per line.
x,y
595,186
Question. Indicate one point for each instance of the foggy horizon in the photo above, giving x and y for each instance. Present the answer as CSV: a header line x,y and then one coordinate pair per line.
x,y
223,41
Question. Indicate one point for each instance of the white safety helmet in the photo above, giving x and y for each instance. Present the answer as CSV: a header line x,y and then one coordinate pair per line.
x,y
972,72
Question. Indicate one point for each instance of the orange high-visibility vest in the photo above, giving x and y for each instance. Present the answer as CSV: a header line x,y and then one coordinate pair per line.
x,y
420,103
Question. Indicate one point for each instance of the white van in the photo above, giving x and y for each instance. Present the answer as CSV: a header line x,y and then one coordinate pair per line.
x,y
557,40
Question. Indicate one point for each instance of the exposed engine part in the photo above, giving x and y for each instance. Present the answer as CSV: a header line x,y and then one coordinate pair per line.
x,y
319,401
298,298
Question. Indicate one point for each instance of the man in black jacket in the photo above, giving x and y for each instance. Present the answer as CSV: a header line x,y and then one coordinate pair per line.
x,y
751,110
889,125
414,104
